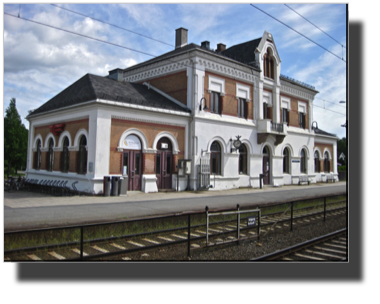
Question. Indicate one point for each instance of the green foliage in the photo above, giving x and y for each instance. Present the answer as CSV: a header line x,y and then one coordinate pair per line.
x,y
15,139
342,148
341,168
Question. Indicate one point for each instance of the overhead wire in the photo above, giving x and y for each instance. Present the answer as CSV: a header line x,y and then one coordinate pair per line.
x,y
75,33
124,29
110,43
314,25
298,33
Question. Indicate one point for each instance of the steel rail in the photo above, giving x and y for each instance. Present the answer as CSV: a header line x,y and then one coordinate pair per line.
x,y
298,247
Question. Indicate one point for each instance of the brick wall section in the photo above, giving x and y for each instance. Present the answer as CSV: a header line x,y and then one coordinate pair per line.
x,y
175,85
150,130
322,147
72,127
229,101
149,163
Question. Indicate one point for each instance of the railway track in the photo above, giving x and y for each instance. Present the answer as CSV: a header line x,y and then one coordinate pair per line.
x,y
220,232
330,247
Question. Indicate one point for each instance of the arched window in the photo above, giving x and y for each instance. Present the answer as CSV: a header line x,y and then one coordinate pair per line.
x,y
326,163
286,161
317,167
215,158
82,156
50,156
243,159
37,156
303,161
268,64
65,156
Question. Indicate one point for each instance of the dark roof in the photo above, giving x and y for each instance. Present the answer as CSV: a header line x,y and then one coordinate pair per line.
x,y
243,52
321,132
189,47
91,87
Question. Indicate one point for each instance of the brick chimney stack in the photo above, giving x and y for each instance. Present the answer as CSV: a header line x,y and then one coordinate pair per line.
x,y
221,47
180,37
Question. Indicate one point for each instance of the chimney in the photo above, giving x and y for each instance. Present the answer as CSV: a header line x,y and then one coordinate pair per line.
x,y
180,37
205,45
221,47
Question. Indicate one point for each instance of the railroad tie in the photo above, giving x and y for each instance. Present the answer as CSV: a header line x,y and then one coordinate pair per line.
x,y
99,249
324,254
76,250
179,236
195,245
118,246
151,241
338,242
165,238
308,257
330,250
34,257
336,246
135,244
56,255
199,231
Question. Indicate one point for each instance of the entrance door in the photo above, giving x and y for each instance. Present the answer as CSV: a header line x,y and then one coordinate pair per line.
x,y
132,166
266,166
164,162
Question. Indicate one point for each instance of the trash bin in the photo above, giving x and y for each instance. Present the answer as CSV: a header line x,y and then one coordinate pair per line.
x,y
115,186
123,185
106,186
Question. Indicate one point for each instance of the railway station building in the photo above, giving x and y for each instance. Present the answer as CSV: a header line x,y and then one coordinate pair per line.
x,y
229,112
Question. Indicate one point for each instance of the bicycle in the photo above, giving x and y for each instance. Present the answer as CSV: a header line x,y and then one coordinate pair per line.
x,y
10,184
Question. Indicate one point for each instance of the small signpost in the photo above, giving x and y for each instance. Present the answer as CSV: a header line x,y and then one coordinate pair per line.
x,y
251,221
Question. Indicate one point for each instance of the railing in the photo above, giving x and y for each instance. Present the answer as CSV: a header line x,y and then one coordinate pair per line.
x,y
278,127
188,222
297,81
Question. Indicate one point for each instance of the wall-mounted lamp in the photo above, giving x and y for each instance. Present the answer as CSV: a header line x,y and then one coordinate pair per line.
x,y
312,125
200,104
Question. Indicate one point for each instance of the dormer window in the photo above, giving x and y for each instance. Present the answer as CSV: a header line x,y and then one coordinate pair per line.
x,y
268,64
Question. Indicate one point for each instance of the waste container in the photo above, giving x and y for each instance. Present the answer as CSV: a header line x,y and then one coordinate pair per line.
x,y
106,186
115,186
123,185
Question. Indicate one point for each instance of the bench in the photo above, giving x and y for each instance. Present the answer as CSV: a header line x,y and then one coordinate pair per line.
x,y
303,179
330,177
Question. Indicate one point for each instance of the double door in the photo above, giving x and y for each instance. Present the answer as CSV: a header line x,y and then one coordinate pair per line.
x,y
132,161
164,161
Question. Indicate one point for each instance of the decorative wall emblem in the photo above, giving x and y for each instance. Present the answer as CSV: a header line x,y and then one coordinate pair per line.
x,y
57,129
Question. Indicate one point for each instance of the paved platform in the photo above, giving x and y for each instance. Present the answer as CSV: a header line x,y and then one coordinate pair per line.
x,y
25,210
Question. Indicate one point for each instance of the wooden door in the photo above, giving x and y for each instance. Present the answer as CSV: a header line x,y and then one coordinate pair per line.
x,y
164,161
132,160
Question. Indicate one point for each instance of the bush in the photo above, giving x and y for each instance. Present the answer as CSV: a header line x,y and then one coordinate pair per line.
x,y
341,168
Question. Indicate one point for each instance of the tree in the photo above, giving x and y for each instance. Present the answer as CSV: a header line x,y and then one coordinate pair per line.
x,y
15,138
342,148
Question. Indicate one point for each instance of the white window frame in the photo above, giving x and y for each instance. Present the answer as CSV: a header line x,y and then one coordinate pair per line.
x,y
302,107
267,98
216,85
243,91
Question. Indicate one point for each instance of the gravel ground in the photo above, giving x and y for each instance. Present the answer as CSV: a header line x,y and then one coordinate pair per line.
x,y
249,249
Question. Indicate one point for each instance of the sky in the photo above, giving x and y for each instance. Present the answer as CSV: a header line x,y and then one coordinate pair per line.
x,y
40,61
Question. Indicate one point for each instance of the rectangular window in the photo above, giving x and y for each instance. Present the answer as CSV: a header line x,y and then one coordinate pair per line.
x,y
168,164
137,164
242,108
301,120
265,110
158,163
125,163
215,106
285,116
